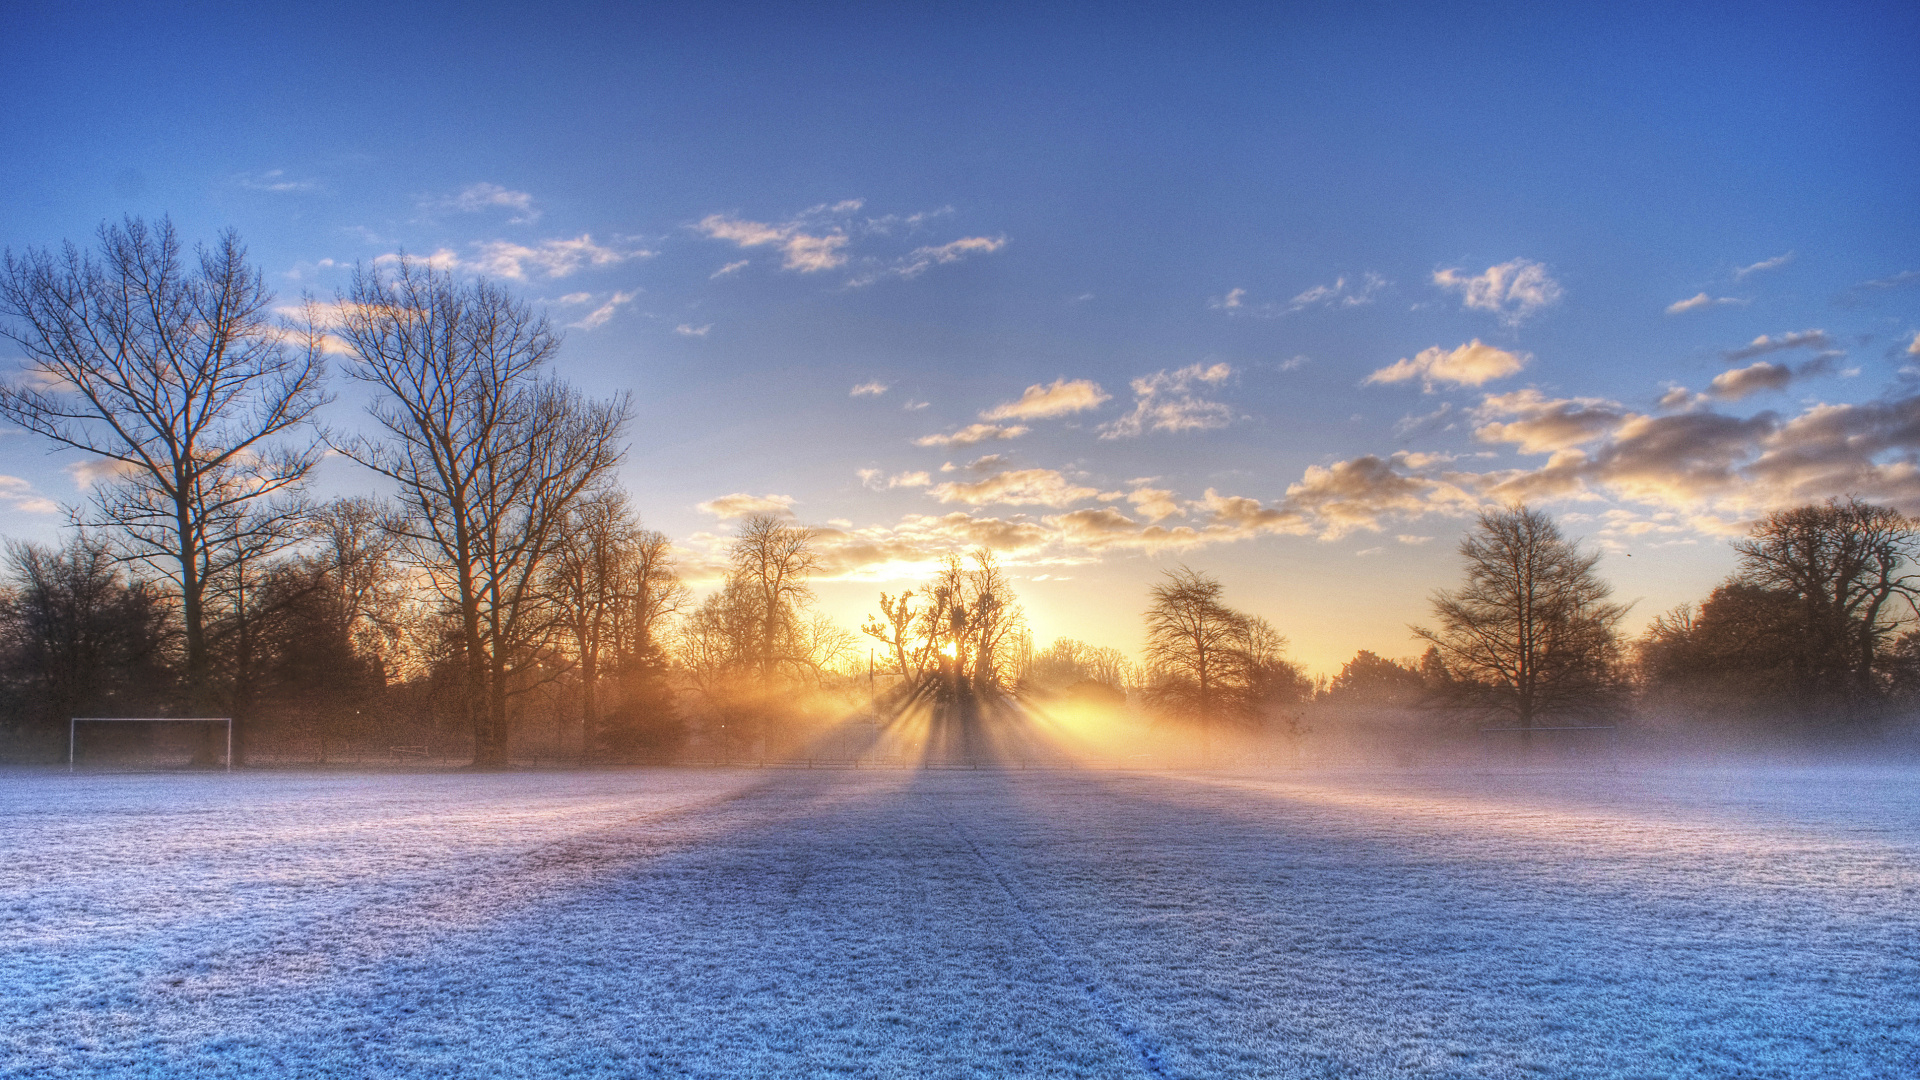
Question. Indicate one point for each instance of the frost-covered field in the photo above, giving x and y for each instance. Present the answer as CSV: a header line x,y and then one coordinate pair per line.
x,y
1729,922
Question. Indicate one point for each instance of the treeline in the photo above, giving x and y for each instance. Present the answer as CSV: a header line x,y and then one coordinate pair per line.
x,y
1812,636
504,601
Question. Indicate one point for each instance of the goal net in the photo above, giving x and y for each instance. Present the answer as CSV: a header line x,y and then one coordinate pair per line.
x,y
146,743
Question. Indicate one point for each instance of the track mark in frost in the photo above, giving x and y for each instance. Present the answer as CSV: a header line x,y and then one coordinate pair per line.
x,y
1136,1040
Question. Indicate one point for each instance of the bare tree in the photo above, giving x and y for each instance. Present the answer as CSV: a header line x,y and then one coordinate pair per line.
x,y
488,456
1531,633
772,561
613,582
1197,648
173,375
1844,565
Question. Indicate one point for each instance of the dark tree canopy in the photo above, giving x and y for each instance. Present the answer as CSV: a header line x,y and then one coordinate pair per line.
x,y
1531,634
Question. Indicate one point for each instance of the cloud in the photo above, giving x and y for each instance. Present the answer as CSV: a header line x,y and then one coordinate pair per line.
x,y
1156,503
575,298
276,181
1471,364
805,252
919,259
740,504
1041,401
99,470
443,259
18,495
1760,346
868,389
1736,383
878,480
1440,419
1913,347
1513,290
972,434
1017,487
1341,293
911,549
1764,264
1701,300
556,258
728,269
690,330
1348,496
480,197
1169,401
599,316
1542,425
915,406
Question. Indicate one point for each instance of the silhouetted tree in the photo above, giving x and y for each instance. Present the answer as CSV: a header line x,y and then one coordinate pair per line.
x,y
76,639
1844,565
614,583
1200,653
1531,634
1805,630
488,457
1373,680
173,375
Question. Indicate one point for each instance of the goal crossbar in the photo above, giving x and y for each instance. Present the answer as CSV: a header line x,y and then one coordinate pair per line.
x,y
74,722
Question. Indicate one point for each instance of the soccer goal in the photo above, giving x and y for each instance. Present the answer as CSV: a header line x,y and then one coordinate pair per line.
x,y
169,737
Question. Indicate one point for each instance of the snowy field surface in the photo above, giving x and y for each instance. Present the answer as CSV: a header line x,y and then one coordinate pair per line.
x,y
1759,922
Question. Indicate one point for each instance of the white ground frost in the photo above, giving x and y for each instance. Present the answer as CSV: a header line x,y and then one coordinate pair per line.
x,y
1736,922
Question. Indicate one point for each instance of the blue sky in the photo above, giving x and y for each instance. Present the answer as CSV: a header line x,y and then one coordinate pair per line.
x,y
1253,248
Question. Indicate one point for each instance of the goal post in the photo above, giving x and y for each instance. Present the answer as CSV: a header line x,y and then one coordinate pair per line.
x,y
74,722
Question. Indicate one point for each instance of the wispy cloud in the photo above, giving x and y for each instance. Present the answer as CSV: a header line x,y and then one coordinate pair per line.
x,y
1538,424
919,259
18,495
506,259
1171,401
690,330
878,480
1345,292
728,269
972,435
740,504
478,197
94,471
1018,487
1514,290
804,251
1041,401
275,180
1472,364
1701,300
823,237
868,389
1774,263
599,316
1762,345
1342,293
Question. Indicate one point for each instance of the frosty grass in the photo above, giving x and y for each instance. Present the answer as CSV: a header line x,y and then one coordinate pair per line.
x,y
1749,922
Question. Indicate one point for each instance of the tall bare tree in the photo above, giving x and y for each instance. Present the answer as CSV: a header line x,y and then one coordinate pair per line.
x,y
1847,567
488,456
1197,648
772,562
1531,634
614,583
172,373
